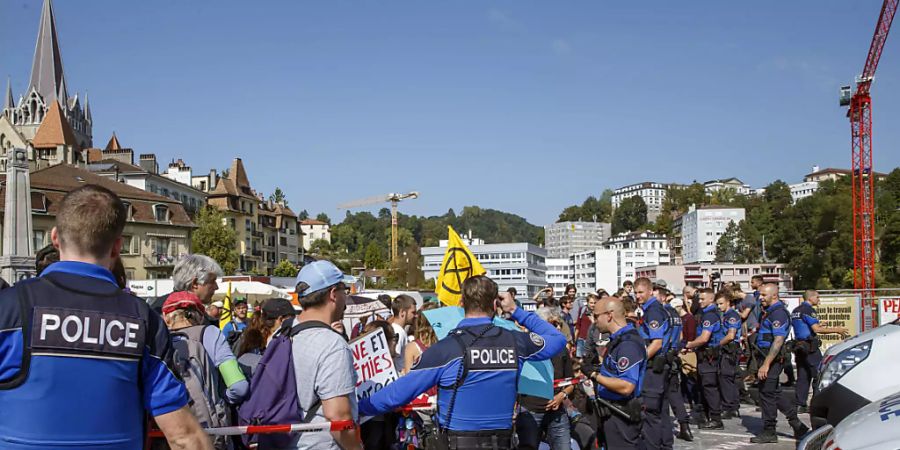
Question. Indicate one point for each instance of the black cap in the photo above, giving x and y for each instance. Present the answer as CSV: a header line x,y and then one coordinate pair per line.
x,y
274,308
238,300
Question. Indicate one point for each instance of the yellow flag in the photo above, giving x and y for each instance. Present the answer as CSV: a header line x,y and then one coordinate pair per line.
x,y
225,315
459,264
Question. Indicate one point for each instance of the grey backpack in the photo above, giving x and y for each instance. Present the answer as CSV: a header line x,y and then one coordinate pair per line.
x,y
201,377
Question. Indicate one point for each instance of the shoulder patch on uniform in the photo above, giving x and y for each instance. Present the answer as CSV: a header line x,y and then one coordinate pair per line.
x,y
733,320
776,323
536,339
623,362
707,323
654,324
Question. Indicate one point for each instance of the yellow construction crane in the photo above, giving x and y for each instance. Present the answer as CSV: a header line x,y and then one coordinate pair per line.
x,y
394,199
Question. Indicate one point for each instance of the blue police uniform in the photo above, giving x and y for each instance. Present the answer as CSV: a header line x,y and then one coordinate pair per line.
x,y
776,321
626,359
806,350
485,360
657,427
673,393
728,373
708,360
81,362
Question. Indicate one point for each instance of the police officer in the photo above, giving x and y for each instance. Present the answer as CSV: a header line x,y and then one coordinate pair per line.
x,y
730,348
709,334
476,368
674,344
770,340
806,345
619,377
82,363
656,429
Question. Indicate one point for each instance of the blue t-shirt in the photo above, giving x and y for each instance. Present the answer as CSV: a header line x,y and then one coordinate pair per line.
x,y
233,326
776,322
802,319
655,323
710,321
90,383
626,360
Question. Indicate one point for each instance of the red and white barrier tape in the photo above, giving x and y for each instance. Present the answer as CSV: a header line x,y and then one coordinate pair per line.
x,y
337,425
566,382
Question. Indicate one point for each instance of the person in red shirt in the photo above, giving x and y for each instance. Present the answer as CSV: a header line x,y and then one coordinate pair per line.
x,y
583,324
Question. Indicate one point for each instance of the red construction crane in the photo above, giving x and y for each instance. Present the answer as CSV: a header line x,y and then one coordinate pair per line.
x,y
863,177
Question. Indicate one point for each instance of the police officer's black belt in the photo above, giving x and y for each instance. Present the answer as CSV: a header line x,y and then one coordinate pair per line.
x,y
483,439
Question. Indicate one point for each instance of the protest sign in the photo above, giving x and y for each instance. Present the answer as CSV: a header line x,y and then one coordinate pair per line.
x,y
888,309
838,311
372,362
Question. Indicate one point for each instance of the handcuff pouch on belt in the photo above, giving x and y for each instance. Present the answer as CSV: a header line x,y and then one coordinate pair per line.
x,y
627,410
711,354
658,363
807,346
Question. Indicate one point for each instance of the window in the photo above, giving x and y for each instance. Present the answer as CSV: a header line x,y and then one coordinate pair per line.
x,y
161,212
127,210
38,239
127,242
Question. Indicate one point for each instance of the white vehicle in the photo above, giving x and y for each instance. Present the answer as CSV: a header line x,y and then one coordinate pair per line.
x,y
855,373
875,426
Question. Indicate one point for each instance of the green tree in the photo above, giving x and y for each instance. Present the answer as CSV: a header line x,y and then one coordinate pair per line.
x,y
373,258
303,215
631,215
215,239
890,250
322,217
278,197
726,248
591,210
321,248
285,268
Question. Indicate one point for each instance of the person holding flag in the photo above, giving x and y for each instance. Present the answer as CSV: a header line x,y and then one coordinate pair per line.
x,y
459,264
238,318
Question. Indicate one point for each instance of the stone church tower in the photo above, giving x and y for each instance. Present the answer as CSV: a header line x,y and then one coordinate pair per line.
x,y
46,90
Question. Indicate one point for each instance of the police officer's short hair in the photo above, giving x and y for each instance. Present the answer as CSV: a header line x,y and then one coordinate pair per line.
x,y
757,278
402,303
809,293
194,267
90,219
643,281
479,293
706,291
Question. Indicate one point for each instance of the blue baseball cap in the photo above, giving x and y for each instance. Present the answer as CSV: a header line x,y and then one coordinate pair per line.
x,y
318,275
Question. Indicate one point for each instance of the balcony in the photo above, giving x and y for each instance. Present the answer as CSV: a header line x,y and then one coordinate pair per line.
x,y
257,234
159,260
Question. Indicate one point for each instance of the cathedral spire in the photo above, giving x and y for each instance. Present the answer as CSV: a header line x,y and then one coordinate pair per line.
x,y
47,76
8,103
87,108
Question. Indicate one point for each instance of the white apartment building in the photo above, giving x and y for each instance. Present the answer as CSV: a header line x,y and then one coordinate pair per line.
x,y
313,230
146,178
701,229
803,190
652,193
563,239
700,275
637,249
596,269
559,275
519,264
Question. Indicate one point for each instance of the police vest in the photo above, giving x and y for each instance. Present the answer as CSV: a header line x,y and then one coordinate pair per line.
x,y
675,327
74,361
802,330
776,318
611,364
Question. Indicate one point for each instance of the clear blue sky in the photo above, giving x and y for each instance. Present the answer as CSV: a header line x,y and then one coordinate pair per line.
x,y
522,106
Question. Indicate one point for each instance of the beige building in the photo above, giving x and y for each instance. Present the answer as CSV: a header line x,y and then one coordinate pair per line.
x,y
158,230
280,234
238,202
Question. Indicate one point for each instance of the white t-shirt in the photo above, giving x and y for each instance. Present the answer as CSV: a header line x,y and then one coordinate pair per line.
x,y
402,339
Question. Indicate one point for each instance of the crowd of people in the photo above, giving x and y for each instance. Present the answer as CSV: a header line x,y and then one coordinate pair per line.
x,y
84,363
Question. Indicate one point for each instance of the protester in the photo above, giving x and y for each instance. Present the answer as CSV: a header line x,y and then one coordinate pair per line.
x,y
358,328
483,398
322,359
238,321
85,394
214,310
403,310
44,257
628,288
253,341
544,297
205,362
540,416
423,338
583,325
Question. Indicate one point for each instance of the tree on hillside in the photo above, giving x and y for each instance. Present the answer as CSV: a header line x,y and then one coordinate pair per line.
x,y
215,239
631,215
322,217
285,268
278,197
321,248
591,210
303,215
726,248
373,258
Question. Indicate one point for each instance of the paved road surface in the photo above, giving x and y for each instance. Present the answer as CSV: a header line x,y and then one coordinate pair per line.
x,y
737,434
